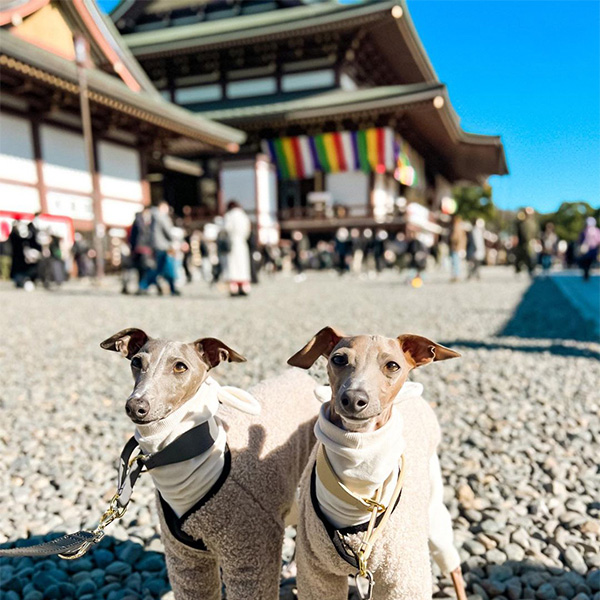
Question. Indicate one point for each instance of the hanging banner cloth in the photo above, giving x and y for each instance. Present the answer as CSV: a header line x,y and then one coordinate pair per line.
x,y
405,172
367,150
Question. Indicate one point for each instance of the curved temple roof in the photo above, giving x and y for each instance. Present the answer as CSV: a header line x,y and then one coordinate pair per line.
x,y
25,58
299,20
425,106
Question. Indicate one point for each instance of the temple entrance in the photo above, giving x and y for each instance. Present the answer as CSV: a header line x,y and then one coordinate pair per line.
x,y
293,195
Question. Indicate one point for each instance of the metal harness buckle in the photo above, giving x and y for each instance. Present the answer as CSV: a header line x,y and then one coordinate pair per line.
x,y
374,505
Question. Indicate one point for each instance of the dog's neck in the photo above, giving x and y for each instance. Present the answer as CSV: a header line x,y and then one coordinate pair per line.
x,y
183,484
362,461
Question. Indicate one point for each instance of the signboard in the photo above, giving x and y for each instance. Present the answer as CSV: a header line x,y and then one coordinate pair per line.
x,y
59,226
70,205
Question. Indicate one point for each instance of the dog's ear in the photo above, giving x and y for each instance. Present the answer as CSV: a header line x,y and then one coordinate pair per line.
x,y
321,345
128,342
213,351
421,351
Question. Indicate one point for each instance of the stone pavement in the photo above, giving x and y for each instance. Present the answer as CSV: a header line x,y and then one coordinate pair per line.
x,y
583,295
519,414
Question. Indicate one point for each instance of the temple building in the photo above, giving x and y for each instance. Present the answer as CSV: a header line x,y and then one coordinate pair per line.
x,y
135,131
347,123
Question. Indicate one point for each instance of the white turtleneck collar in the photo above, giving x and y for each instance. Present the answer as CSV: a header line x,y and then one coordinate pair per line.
x,y
183,484
362,461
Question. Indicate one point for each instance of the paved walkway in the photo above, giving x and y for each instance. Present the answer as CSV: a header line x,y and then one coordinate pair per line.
x,y
584,296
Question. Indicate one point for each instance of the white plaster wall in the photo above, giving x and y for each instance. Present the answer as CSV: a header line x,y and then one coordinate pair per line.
x,y
118,212
120,174
350,188
65,164
17,160
19,198
238,182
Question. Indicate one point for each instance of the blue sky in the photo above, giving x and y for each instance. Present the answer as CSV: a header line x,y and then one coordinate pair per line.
x,y
528,70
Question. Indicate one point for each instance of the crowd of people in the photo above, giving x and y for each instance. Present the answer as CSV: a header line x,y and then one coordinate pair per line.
x,y
158,254
534,248
157,250
32,254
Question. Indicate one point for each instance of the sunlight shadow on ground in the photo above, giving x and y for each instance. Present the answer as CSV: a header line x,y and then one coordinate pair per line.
x,y
545,313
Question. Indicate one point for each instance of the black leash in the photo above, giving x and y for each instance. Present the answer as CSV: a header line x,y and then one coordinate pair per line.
x,y
74,545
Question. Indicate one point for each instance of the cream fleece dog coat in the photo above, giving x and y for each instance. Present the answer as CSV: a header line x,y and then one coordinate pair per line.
x,y
237,530
400,560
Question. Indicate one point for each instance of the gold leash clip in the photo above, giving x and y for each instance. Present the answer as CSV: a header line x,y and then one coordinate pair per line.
x,y
139,456
113,512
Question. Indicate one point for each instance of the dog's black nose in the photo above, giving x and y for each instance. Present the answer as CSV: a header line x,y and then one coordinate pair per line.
x,y
354,401
137,408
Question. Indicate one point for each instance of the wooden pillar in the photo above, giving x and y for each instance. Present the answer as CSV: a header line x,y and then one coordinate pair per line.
x,y
39,164
146,196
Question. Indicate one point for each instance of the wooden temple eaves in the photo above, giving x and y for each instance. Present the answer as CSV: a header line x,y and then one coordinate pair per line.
x,y
420,113
23,62
385,26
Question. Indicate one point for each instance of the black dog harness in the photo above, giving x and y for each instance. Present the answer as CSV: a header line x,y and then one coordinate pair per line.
x,y
190,444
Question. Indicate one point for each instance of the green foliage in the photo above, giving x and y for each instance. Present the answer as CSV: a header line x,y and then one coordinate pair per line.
x,y
474,202
569,219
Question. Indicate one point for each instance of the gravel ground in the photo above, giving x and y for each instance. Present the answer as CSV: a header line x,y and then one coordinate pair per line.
x,y
519,413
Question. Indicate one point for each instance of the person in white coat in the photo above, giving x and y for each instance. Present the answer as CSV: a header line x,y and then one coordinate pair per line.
x,y
237,272
476,249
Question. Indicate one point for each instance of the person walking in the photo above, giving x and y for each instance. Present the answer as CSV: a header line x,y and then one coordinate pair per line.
x,y
476,248
527,233
458,246
379,241
549,246
161,239
237,269
299,254
589,242
417,258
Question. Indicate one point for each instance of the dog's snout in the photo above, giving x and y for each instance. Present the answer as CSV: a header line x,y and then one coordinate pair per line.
x,y
354,401
137,408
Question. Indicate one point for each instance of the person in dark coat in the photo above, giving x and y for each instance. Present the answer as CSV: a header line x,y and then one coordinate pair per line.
x,y
26,253
140,241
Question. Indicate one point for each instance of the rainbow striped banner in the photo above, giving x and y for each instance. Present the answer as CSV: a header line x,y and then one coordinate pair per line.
x,y
367,150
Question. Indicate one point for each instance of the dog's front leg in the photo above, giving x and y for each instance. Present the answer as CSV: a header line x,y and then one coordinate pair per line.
x,y
252,571
192,573
315,582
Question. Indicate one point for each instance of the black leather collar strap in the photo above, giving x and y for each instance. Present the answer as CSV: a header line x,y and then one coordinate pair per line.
x,y
187,446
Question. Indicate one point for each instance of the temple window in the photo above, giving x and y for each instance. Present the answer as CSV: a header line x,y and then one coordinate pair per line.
x,y
199,93
308,81
252,87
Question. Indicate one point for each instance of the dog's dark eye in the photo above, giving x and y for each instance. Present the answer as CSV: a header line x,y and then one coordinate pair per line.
x,y
179,367
339,359
392,366
136,362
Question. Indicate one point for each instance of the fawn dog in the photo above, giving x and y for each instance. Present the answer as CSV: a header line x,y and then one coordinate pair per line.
x,y
371,496
222,509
